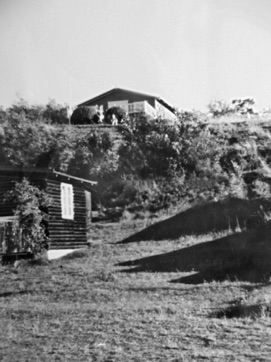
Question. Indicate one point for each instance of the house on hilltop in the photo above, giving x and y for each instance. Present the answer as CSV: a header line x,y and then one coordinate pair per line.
x,y
69,211
132,103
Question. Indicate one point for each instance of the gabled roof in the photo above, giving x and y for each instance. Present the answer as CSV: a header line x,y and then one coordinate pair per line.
x,y
69,177
46,173
108,93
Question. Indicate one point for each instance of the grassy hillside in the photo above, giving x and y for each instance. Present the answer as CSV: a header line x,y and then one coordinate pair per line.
x,y
184,275
118,302
150,165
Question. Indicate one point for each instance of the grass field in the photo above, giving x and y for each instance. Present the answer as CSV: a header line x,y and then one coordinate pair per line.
x,y
115,303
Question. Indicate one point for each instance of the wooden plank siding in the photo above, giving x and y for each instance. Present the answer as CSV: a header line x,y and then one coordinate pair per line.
x,y
63,233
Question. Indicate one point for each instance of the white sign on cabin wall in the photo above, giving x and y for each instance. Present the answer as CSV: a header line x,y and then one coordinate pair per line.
x,y
67,204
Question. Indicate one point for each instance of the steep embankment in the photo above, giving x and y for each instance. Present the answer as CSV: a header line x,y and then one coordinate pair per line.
x,y
115,132
249,140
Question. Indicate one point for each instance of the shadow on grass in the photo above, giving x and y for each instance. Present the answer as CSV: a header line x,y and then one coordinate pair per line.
x,y
14,294
244,311
203,219
241,256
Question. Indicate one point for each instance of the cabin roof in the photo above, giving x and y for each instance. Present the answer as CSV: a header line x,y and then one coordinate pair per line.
x,y
69,177
46,174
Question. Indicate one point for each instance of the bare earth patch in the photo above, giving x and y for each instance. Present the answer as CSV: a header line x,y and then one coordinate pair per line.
x,y
91,308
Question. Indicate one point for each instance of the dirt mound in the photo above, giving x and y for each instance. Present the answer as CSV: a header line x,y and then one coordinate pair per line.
x,y
215,216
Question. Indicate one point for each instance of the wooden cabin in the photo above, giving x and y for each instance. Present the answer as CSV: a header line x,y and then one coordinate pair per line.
x,y
70,208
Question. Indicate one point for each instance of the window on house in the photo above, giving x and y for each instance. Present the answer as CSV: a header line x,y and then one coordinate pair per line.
x,y
67,201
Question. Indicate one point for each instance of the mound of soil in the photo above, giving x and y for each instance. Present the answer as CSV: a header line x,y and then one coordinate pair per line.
x,y
215,216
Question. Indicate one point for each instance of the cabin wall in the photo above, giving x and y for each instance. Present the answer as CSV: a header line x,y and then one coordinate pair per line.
x,y
63,233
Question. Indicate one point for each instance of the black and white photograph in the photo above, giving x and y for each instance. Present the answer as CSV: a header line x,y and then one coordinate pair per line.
x,y
135,180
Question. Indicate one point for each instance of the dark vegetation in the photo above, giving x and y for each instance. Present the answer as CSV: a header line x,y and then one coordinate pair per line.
x,y
117,111
215,174
94,115
51,113
84,115
220,108
145,165
31,212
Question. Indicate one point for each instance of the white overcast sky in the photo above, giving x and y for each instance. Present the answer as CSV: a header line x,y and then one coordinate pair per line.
x,y
186,51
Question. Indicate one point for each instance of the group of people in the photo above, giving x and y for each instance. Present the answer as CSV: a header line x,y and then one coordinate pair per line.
x,y
110,118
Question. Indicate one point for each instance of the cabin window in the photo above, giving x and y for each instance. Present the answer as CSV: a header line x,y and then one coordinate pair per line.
x,y
67,201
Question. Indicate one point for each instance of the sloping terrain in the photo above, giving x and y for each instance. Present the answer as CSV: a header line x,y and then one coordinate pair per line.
x,y
115,132
86,308
202,219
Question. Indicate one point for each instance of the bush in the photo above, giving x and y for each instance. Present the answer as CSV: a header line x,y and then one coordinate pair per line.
x,y
84,115
91,155
243,106
117,111
32,204
55,113
23,141
52,112
33,144
219,108
189,159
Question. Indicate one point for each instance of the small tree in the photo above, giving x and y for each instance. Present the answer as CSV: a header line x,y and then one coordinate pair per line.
x,y
244,106
23,141
219,108
31,205
55,113
84,115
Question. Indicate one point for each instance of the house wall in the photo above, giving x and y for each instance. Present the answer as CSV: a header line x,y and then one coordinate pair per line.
x,y
163,112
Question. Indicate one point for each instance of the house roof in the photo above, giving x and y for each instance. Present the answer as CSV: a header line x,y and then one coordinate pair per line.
x,y
108,93
46,173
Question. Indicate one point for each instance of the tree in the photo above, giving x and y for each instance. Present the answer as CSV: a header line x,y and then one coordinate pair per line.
x,y
22,109
55,113
52,112
22,141
91,155
219,108
243,106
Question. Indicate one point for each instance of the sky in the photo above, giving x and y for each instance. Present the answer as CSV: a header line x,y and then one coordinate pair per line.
x,y
188,52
